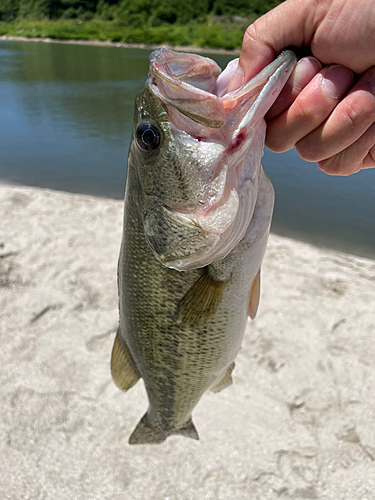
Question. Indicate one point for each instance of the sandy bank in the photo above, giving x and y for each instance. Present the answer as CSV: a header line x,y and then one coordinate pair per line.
x,y
98,43
299,421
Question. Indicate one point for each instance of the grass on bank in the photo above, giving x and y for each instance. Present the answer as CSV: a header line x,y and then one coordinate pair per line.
x,y
216,35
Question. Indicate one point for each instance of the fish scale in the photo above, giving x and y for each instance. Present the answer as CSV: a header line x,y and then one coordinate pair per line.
x,y
174,355
186,287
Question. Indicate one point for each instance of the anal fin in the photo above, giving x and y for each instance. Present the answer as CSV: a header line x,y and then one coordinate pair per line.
x,y
226,381
123,374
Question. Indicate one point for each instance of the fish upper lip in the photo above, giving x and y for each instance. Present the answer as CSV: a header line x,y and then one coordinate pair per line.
x,y
190,94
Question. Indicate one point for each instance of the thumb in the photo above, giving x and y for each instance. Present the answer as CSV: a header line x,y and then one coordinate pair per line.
x,y
291,23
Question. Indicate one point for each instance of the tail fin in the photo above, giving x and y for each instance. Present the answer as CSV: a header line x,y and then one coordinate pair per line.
x,y
188,430
146,433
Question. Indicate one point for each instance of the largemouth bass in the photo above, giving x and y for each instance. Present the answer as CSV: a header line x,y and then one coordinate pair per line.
x,y
198,208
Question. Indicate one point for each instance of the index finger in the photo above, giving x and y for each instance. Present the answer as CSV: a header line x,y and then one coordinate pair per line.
x,y
291,23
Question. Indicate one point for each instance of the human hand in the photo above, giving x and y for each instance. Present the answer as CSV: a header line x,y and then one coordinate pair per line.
x,y
327,113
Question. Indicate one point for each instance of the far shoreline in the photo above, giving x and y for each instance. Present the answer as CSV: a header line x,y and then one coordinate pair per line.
x,y
99,43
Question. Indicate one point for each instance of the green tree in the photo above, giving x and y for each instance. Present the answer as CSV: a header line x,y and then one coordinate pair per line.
x,y
243,7
34,9
9,10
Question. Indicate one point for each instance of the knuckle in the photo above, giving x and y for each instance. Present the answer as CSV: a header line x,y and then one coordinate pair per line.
x,y
341,164
350,114
372,153
276,146
277,139
309,150
369,79
358,108
328,166
250,35
307,114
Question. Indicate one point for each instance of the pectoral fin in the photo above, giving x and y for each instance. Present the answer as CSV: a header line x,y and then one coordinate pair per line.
x,y
254,297
123,373
226,381
201,300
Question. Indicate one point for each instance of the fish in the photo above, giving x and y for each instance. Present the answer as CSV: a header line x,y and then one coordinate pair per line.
x,y
197,214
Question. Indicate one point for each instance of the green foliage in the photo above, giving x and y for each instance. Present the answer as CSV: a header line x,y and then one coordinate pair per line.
x,y
33,9
172,11
141,13
201,35
105,11
244,8
135,13
205,23
9,10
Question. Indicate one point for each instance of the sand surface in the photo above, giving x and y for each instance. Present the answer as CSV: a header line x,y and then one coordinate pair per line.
x,y
298,423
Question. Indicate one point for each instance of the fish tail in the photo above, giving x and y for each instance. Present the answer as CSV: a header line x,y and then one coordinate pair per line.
x,y
147,433
188,430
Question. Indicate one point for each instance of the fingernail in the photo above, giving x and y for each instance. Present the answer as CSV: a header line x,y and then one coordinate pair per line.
x,y
307,66
336,81
304,72
237,79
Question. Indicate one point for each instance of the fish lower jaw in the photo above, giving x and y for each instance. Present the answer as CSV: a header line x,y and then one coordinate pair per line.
x,y
214,218
207,234
183,261
201,250
220,217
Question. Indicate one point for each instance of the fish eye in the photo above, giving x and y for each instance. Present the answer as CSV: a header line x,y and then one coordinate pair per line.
x,y
148,136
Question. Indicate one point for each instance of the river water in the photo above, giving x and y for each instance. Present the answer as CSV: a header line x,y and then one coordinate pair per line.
x,y
66,117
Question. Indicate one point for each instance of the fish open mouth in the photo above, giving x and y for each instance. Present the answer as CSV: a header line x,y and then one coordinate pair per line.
x,y
194,91
195,87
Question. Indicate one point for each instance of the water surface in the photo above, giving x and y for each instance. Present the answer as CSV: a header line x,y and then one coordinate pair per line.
x,y
66,117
